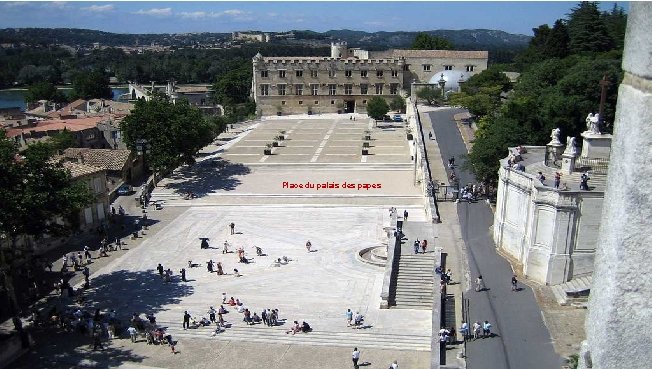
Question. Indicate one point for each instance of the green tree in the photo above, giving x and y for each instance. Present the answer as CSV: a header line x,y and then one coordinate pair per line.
x,y
397,104
556,45
44,91
234,86
424,41
377,107
432,95
175,132
616,22
91,85
62,140
587,29
36,192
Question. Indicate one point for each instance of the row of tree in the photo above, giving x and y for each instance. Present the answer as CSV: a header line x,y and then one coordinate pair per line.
x,y
558,87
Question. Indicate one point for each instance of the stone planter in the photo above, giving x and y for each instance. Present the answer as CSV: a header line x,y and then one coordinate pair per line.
x,y
367,137
281,137
365,151
278,113
309,112
274,144
410,137
267,151
365,144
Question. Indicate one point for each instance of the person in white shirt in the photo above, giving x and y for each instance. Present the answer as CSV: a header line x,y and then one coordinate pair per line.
x,y
355,356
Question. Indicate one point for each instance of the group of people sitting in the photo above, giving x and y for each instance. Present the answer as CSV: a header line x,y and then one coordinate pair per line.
x,y
296,328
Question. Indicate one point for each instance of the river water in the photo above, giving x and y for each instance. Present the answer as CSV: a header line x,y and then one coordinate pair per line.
x,y
16,98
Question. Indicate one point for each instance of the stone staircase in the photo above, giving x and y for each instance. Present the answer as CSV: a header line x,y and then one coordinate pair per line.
x,y
415,283
574,292
260,333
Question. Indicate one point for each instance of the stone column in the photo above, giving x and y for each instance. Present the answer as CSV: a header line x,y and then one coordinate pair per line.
x,y
619,306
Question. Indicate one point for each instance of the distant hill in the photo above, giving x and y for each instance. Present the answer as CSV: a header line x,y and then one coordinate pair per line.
x,y
71,36
502,46
462,39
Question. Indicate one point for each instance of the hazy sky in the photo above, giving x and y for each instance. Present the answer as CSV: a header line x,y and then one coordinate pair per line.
x,y
227,16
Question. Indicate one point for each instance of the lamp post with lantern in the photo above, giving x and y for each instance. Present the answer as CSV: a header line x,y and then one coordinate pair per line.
x,y
442,84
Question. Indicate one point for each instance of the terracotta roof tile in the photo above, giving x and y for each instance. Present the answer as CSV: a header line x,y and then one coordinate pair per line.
x,y
108,159
79,170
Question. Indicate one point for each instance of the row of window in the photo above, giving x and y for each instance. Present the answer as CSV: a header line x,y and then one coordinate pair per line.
x,y
332,89
331,73
363,73
316,102
427,68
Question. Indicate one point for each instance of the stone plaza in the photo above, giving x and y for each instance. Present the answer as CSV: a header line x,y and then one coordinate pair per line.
x,y
315,186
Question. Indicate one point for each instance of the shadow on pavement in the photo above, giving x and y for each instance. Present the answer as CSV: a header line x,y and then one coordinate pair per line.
x,y
207,176
125,291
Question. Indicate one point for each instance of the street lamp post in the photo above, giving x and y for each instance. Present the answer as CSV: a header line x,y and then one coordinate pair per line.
x,y
442,83
143,148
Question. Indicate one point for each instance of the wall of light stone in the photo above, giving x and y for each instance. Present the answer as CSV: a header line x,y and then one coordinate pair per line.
x,y
551,234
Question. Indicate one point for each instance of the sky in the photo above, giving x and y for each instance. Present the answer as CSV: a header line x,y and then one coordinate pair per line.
x,y
277,16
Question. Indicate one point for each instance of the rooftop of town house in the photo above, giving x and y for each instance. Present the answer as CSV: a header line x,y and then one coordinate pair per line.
x,y
108,159
72,125
80,170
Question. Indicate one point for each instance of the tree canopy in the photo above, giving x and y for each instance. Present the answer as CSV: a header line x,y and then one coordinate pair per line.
x,y
377,107
44,91
432,95
424,41
174,132
91,85
558,87
36,191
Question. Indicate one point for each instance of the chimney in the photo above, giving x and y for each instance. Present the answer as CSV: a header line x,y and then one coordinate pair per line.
x,y
80,158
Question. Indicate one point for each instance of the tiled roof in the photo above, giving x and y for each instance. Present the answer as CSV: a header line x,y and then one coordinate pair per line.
x,y
79,170
108,159
445,54
72,125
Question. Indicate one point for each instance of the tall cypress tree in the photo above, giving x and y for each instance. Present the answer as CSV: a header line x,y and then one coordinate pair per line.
x,y
587,30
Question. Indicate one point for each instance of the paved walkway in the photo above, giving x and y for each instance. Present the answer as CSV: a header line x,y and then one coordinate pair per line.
x,y
316,287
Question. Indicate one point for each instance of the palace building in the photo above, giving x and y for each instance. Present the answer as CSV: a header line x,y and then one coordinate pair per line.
x,y
346,80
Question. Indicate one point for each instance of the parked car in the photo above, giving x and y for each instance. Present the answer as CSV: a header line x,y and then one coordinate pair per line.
x,y
387,118
125,189
397,118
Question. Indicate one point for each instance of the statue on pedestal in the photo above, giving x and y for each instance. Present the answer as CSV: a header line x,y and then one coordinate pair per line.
x,y
555,137
593,123
571,149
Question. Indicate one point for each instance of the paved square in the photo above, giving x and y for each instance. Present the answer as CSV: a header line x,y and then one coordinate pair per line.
x,y
315,286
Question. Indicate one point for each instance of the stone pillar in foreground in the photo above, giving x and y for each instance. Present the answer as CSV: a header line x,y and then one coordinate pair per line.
x,y
620,307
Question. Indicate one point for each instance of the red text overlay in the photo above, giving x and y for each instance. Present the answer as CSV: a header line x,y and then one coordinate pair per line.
x,y
333,186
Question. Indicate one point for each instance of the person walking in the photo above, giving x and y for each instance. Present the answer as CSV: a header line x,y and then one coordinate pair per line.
x,y
430,135
308,245
479,284
183,274
349,316
211,314
486,329
424,244
477,327
405,215
232,226
186,320
557,179
355,356
514,283
416,246
160,269
394,365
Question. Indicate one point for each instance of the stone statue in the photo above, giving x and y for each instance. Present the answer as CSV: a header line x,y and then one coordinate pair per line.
x,y
555,136
571,149
593,123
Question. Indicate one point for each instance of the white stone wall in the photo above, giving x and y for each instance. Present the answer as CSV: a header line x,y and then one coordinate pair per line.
x,y
550,233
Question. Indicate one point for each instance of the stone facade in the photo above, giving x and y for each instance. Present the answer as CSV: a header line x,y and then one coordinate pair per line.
x,y
346,80
550,233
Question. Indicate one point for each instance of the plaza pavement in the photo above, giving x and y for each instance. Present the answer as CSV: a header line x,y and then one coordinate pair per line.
x,y
236,183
